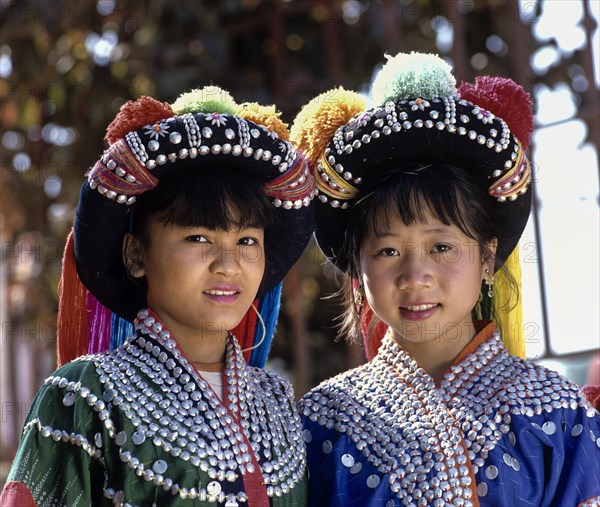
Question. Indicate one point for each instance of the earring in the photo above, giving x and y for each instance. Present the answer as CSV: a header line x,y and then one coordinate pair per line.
x,y
360,298
489,281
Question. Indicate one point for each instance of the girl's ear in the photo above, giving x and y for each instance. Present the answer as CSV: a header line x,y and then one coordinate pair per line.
x,y
489,258
132,256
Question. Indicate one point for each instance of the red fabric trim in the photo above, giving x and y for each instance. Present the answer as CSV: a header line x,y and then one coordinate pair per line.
x,y
244,331
16,494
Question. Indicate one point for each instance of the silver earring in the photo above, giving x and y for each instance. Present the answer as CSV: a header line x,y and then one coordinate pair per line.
x,y
489,281
360,298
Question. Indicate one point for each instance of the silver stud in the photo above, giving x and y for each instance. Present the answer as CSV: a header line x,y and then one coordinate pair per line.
x,y
549,428
121,438
159,466
373,481
153,145
207,132
347,460
255,133
482,489
491,472
69,399
175,137
577,430
357,467
111,164
229,134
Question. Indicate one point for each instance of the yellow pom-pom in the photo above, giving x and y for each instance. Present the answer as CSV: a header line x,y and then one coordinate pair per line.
x,y
210,99
267,116
316,123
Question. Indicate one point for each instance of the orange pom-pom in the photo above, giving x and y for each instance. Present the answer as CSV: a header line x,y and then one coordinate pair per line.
x,y
135,114
504,98
264,115
316,123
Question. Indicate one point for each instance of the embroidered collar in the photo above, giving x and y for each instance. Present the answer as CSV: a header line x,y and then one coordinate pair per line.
x,y
168,401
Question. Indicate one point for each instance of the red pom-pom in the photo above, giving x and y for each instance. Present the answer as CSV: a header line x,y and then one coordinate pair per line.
x,y
135,114
505,99
592,393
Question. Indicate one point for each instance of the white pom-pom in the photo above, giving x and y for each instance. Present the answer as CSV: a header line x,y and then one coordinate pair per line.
x,y
412,75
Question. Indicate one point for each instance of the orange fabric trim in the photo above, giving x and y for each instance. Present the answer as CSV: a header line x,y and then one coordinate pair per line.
x,y
16,494
485,329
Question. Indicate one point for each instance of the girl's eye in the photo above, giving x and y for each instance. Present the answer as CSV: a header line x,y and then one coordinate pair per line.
x,y
387,252
196,238
441,248
248,241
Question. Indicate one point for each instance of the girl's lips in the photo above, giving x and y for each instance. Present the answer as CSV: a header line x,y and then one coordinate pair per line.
x,y
222,294
419,311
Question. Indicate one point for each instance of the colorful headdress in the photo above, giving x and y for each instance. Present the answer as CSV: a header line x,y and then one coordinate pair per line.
x,y
420,116
147,140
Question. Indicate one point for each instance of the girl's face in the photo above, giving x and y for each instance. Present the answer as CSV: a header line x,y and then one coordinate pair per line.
x,y
200,282
423,279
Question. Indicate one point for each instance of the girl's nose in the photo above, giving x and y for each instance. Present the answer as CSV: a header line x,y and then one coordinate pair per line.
x,y
414,273
225,260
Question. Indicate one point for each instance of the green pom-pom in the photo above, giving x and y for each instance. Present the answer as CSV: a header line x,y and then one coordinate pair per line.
x,y
413,75
210,99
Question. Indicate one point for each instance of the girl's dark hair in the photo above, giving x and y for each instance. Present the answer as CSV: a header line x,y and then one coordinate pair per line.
x,y
451,196
215,197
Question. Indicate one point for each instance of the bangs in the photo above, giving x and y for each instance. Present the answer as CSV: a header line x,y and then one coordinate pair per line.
x,y
416,193
447,192
212,198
